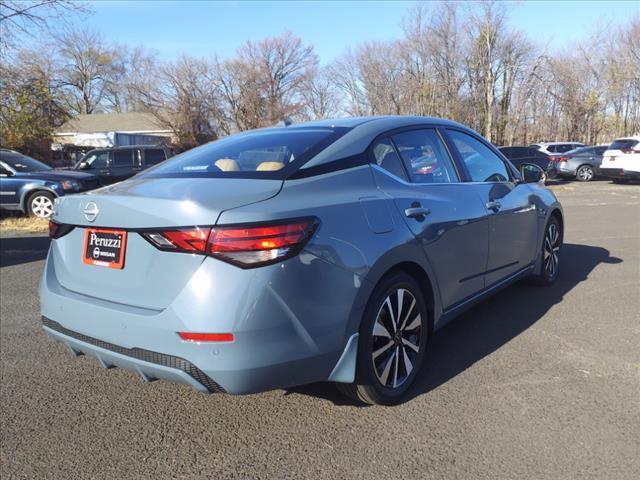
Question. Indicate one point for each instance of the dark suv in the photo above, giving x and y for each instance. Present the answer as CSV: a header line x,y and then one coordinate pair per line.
x,y
115,164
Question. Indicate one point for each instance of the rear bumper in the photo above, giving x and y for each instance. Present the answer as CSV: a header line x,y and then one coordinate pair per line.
x,y
619,173
286,332
150,365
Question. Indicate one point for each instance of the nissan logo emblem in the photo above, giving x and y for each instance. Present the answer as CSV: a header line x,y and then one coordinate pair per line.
x,y
91,211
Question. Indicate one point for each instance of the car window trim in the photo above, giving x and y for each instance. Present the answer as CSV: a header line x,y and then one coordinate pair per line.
x,y
388,134
512,171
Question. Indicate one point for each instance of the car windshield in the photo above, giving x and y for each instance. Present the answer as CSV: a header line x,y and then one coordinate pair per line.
x,y
22,163
272,153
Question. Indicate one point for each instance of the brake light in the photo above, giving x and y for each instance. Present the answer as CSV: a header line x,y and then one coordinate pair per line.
x,y
57,230
246,246
206,337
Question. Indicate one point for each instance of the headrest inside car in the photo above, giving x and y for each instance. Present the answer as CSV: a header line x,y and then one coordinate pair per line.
x,y
227,165
269,166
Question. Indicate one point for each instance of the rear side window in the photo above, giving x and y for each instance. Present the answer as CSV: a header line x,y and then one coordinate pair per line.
x,y
601,150
123,158
425,156
386,157
623,144
269,153
481,162
553,148
565,147
154,156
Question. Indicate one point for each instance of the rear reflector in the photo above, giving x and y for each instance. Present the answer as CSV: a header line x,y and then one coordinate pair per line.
x,y
246,246
206,337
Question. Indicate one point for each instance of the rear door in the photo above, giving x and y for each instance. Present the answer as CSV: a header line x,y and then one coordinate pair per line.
x,y
153,156
123,164
513,219
415,168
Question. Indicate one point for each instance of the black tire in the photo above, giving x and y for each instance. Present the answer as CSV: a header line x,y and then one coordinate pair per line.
x,y
369,387
550,252
40,204
585,173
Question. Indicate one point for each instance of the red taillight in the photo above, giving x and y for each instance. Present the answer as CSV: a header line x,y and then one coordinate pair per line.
x,y
57,230
562,159
53,228
246,246
206,337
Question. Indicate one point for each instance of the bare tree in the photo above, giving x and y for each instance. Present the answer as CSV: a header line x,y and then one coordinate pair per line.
x,y
281,67
186,101
27,17
86,64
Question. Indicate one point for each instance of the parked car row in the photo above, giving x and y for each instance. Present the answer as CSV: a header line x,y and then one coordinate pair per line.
x,y
619,161
30,186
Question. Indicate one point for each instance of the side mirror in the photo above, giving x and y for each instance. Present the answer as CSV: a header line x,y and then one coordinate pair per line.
x,y
531,173
84,166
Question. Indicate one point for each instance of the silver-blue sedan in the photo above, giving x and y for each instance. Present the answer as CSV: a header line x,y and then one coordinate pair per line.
x,y
326,251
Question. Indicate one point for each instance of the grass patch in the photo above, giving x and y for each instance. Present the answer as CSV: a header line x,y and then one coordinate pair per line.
x,y
23,224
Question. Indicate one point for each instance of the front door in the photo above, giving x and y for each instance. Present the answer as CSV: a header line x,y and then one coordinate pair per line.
x,y
9,187
513,217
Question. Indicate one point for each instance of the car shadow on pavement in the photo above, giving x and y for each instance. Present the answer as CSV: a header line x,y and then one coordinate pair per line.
x,y
489,325
19,250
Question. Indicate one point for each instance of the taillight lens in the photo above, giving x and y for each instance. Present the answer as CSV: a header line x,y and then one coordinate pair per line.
x,y
246,246
57,230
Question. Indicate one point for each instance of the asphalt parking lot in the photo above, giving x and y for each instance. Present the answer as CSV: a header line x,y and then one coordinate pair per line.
x,y
535,383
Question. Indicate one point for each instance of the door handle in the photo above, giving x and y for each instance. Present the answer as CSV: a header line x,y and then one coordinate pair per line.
x,y
494,205
416,211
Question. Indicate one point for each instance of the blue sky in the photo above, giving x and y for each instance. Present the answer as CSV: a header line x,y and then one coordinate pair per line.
x,y
204,27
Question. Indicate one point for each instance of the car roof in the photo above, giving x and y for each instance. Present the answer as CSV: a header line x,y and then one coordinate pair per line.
x,y
352,122
558,143
124,147
633,137
363,130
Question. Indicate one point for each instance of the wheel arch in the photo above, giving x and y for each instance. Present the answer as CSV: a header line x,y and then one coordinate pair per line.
x,y
27,194
557,213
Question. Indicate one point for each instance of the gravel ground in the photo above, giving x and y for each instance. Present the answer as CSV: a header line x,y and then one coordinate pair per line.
x,y
535,383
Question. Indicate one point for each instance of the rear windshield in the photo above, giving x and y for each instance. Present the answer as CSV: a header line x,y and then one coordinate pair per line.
x,y
273,153
623,144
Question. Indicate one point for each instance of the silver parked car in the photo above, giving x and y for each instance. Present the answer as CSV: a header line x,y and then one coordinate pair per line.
x,y
327,251
582,163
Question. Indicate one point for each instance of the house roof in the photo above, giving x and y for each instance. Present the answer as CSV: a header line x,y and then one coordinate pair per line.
x,y
112,122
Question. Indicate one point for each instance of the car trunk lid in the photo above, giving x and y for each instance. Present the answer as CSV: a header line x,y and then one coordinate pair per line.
x,y
149,278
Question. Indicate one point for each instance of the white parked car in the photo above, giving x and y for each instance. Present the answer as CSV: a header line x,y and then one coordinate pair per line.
x,y
556,148
621,162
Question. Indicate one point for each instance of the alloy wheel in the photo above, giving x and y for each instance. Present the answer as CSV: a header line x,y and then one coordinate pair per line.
x,y
585,174
42,206
396,334
551,250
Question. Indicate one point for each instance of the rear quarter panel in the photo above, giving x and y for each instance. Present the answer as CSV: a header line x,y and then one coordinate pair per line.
x,y
359,232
